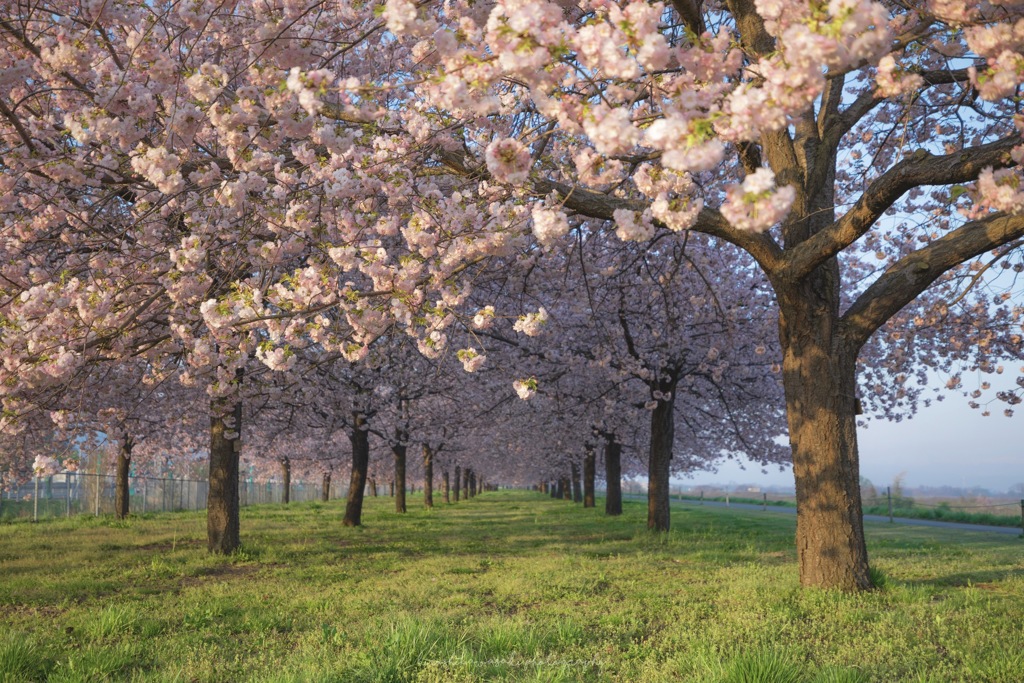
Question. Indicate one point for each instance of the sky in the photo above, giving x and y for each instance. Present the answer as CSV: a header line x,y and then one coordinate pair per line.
x,y
946,444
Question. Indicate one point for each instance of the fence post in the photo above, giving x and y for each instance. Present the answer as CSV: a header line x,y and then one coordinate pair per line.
x,y
764,502
1022,516
67,494
99,483
145,492
35,500
726,499
702,496
888,494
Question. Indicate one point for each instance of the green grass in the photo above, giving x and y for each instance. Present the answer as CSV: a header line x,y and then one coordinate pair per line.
x,y
510,586
945,512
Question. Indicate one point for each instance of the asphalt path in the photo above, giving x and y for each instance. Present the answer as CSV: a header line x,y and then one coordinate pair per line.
x,y
1016,531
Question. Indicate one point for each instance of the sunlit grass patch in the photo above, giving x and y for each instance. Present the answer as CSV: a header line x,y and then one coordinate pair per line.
x,y
510,586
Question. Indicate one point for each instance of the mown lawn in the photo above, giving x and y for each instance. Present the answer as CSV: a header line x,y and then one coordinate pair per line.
x,y
509,586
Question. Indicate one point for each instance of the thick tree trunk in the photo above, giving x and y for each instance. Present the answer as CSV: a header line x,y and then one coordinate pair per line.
x,y
124,461
445,483
428,477
325,493
360,439
473,490
613,477
222,526
286,480
589,465
391,488
398,486
658,463
465,483
457,482
819,375
577,492
565,486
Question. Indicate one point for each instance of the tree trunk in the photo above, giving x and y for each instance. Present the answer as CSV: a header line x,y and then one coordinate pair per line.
x,y
124,461
391,488
577,492
659,460
360,439
428,477
589,462
325,494
819,376
565,486
465,483
556,489
458,479
613,477
445,483
373,486
473,490
222,535
286,480
398,487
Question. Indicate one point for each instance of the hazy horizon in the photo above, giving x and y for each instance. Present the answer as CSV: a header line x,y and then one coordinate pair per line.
x,y
946,444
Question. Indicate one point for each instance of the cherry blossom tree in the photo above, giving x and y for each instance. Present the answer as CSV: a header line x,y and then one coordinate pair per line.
x,y
646,328
242,184
746,121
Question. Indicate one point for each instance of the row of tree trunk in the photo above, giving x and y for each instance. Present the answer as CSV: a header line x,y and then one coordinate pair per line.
x,y
223,498
572,488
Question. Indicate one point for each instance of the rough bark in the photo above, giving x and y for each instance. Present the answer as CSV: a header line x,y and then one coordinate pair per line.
x,y
372,483
589,462
124,461
473,490
325,493
577,491
457,482
222,526
613,477
446,484
658,463
286,480
819,375
398,485
465,482
565,486
360,439
428,477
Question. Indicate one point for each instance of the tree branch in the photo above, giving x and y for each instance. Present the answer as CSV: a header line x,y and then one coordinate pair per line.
x,y
710,222
919,169
911,275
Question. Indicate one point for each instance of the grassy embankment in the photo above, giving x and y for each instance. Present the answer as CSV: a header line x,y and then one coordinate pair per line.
x,y
509,586
1007,515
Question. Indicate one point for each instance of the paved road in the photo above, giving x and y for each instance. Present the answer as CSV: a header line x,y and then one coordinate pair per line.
x,y
1015,530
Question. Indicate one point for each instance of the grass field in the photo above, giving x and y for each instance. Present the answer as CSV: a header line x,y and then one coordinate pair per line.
x,y
509,586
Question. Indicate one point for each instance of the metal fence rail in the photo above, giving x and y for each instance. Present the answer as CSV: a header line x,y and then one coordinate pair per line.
x,y
81,493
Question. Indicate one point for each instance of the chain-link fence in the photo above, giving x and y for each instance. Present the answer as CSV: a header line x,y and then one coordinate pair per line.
x,y
78,493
